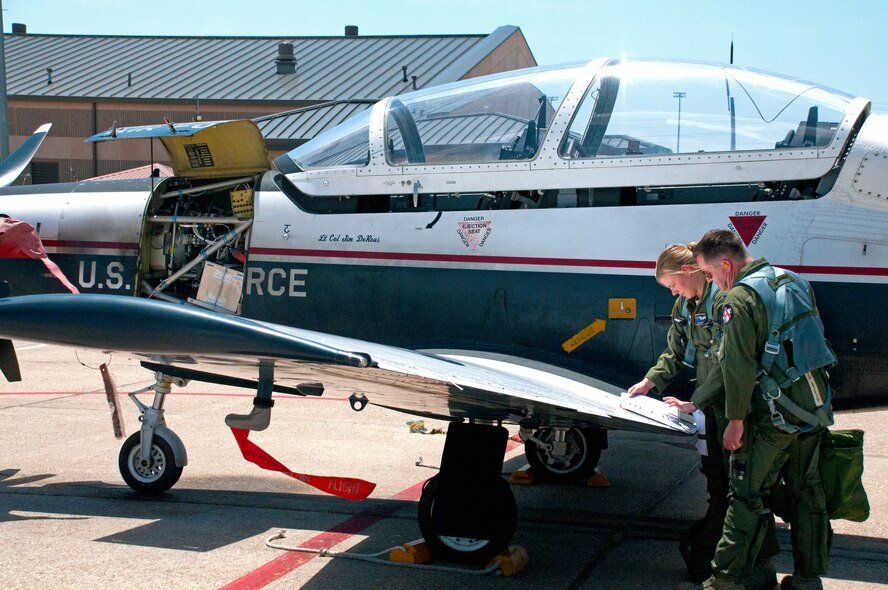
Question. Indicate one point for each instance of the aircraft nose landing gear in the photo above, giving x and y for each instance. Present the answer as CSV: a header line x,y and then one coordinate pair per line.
x,y
154,475
152,459
467,512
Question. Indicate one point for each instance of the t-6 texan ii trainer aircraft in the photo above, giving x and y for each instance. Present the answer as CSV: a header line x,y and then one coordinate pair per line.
x,y
481,252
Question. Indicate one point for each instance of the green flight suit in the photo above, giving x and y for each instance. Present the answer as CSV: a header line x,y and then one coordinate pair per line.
x,y
698,331
702,332
767,453
692,324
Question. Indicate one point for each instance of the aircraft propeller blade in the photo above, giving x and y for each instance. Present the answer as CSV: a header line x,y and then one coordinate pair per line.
x,y
9,362
17,161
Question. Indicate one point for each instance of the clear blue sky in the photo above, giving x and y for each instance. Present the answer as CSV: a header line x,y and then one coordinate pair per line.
x,y
839,44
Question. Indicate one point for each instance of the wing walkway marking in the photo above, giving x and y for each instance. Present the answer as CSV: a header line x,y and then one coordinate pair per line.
x,y
286,563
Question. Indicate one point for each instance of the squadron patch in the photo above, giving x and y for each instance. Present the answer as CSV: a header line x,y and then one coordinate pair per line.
x,y
727,313
699,319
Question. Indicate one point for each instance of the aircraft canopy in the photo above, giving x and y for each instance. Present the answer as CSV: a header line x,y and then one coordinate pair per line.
x,y
631,107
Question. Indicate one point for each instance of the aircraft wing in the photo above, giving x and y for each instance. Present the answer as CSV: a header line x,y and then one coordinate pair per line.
x,y
12,166
193,343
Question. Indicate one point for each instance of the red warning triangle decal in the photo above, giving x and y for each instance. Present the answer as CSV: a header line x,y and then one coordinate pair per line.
x,y
747,226
471,232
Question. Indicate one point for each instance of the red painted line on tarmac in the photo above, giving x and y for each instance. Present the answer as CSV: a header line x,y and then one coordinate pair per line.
x,y
412,493
54,393
289,561
180,394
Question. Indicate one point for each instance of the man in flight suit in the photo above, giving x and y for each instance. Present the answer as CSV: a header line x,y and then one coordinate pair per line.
x,y
762,453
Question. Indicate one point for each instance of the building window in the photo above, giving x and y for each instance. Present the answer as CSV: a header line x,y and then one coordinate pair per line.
x,y
44,172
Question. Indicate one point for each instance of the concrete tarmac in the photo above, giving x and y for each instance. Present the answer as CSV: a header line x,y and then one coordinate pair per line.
x,y
67,520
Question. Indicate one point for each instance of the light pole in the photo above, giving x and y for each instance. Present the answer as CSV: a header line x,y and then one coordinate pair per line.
x,y
4,114
679,96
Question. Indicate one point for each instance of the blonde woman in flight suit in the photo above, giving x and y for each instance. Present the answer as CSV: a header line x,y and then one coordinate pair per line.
x,y
677,270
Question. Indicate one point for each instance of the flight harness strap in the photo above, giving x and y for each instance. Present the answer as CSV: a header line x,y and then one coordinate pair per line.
x,y
772,346
773,395
690,356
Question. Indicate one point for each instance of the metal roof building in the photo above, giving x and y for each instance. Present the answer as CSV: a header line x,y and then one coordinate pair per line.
x,y
283,131
84,84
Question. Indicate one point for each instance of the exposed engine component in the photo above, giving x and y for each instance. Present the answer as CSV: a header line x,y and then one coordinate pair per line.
x,y
191,228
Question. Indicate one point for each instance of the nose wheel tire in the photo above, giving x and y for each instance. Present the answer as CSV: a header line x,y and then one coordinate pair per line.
x,y
578,461
154,476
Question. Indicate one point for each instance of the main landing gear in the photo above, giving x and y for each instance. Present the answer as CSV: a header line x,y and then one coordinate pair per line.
x,y
564,454
467,512
151,460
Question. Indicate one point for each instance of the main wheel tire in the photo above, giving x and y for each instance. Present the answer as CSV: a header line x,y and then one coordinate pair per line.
x,y
501,510
156,476
580,461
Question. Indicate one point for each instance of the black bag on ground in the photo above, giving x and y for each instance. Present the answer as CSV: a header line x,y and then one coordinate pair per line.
x,y
841,470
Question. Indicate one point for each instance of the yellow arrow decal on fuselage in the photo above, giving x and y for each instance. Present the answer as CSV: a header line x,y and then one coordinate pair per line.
x,y
583,335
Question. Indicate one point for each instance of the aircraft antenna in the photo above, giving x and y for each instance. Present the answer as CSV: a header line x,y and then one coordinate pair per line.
x,y
170,125
731,106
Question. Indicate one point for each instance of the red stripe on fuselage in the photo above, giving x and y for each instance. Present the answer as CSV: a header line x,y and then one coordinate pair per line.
x,y
471,258
527,260
837,270
86,244
411,256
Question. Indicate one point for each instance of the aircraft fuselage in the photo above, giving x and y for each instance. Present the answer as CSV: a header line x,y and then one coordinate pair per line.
x,y
541,248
